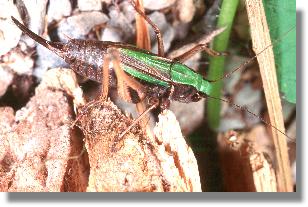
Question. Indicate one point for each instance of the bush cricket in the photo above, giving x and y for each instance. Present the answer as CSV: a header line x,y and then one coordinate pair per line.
x,y
149,75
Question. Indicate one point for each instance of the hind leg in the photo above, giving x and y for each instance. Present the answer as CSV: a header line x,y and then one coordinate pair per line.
x,y
198,48
124,81
159,38
103,95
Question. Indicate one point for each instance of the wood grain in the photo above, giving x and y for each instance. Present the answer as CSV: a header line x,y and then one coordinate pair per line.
x,y
261,39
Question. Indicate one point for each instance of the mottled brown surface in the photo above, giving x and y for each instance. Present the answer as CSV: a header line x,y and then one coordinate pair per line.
x,y
135,163
246,166
38,143
39,150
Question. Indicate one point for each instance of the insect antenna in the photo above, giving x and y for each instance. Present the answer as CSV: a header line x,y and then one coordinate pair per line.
x,y
253,58
290,139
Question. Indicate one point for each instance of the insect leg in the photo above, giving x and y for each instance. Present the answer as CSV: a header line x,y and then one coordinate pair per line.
x,y
165,100
161,51
83,112
104,94
125,81
105,78
196,49
120,137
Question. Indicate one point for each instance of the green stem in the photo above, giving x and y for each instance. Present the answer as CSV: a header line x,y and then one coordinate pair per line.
x,y
217,64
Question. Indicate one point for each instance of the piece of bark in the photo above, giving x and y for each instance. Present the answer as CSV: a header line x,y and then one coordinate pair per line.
x,y
6,121
235,164
39,144
176,157
263,173
136,162
244,166
40,152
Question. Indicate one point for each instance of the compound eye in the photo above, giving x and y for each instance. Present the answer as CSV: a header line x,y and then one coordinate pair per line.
x,y
196,97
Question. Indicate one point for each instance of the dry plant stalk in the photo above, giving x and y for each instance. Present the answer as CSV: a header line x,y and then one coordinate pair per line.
x,y
142,33
261,39
143,41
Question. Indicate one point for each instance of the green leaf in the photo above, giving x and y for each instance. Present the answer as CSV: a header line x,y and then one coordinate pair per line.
x,y
281,17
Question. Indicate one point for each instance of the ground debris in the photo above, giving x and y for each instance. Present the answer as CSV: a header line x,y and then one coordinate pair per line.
x,y
37,144
174,152
89,5
34,18
247,165
183,114
185,10
58,9
9,34
136,162
6,79
79,25
157,5
119,27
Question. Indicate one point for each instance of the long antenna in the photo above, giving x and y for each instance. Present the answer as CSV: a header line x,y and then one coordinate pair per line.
x,y
254,57
290,139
